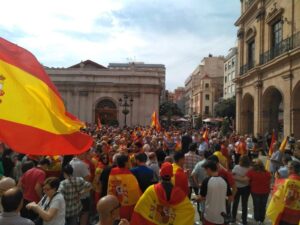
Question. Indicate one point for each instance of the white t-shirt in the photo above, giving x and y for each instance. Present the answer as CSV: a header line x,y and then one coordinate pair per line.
x,y
240,171
58,202
215,190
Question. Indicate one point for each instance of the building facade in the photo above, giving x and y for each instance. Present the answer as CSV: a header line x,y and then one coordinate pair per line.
x,y
268,85
205,86
91,91
230,70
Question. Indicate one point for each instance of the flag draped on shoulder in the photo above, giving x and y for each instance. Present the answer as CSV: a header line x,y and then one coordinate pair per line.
x,y
33,119
284,205
123,184
153,209
155,122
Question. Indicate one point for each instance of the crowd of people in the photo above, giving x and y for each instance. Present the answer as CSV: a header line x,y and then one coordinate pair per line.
x,y
144,176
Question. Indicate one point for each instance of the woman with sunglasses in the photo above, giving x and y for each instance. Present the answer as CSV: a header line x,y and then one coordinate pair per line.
x,y
51,209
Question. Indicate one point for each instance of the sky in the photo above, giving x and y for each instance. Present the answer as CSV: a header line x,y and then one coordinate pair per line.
x,y
176,33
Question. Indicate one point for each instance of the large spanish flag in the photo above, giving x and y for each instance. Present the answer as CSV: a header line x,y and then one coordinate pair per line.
x,y
154,209
180,179
33,119
123,184
284,205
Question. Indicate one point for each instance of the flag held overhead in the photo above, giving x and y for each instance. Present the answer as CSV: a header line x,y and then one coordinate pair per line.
x,y
33,118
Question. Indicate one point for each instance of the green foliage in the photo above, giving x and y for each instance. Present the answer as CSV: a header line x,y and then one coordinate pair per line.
x,y
169,109
226,108
225,127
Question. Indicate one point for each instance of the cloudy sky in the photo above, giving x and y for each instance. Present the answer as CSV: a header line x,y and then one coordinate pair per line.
x,y
177,33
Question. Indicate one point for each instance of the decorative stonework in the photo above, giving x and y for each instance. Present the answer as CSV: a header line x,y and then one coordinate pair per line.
x,y
261,12
288,76
240,33
275,13
251,33
258,84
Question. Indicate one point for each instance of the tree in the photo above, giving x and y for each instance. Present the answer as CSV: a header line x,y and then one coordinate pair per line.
x,y
226,108
169,109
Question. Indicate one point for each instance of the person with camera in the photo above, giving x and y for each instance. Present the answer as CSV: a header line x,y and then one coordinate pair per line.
x,y
51,209
215,190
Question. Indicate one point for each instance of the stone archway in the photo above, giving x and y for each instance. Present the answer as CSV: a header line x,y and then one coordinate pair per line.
x,y
296,111
247,114
107,111
272,110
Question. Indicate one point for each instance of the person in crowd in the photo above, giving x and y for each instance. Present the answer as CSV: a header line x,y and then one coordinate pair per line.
x,y
283,171
5,184
215,190
276,159
198,176
72,188
243,189
31,182
123,184
284,208
260,182
180,178
191,159
108,208
152,163
203,146
222,159
163,203
143,174
186,140
292,142
51,209
169,144
81,169
12,202
240,149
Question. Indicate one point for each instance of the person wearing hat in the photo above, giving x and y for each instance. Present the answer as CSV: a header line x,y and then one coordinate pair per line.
x,y
163,203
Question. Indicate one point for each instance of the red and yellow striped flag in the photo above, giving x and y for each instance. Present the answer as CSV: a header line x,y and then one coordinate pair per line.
x,y
153,209
33,119
155,122
205,135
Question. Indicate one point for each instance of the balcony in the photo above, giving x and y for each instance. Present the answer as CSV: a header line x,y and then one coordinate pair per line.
x,y
245,68
281,48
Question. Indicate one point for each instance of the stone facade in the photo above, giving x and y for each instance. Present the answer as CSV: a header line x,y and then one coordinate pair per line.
x,y
268,85
204,87
230,70
91,91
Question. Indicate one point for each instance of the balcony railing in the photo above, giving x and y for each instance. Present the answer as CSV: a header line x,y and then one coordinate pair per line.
x,y
281,48
244,69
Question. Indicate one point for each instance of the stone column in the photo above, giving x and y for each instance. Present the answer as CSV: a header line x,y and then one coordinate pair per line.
x,y
258,108
239,95
288,106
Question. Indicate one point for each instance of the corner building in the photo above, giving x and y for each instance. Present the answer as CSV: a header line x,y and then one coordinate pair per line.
x,y
268,84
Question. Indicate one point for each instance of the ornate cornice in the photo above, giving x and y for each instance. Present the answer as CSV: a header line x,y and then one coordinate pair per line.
x,y
261,12
274,14
287,76
258,84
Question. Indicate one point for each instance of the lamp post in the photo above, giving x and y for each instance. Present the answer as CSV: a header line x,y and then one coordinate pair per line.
x,y
125,102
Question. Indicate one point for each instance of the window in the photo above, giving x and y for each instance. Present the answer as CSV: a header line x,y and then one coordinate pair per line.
x,y
276,33
225,79
206,85
206,110
233,62
206,97
225,67
251,54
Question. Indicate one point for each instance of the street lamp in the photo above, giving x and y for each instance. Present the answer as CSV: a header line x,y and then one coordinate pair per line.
x,y
125,103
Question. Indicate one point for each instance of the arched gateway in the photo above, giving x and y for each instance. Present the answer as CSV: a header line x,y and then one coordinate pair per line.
x,y
107,111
